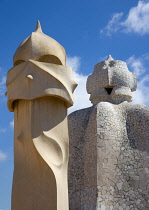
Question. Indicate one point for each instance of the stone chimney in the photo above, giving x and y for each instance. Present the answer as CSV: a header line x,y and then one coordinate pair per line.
x,y
109,144
111,81
40,89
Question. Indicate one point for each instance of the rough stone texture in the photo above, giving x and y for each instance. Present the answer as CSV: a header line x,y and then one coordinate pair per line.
x,y
39,92
109,152
112,75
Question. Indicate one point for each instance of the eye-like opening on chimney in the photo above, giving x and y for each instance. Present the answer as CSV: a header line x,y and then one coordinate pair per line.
x,y
109,90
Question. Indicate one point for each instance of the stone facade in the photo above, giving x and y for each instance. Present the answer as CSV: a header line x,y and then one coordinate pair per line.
x,y
109,145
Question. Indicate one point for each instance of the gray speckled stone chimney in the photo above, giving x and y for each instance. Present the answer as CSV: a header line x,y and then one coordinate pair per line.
x,y
109,144
111,81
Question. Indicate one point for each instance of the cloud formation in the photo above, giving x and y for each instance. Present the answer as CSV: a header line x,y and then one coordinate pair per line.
x,y
136,21
3,156
136,65
139,66
113,25
3,86
81,98
12,124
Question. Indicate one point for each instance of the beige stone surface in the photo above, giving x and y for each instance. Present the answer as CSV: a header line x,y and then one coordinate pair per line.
x,y
42,79
40,90
50,52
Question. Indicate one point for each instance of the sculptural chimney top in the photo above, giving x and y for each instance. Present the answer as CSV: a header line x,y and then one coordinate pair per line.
x,y
40,47
111,81
109,58
39,71
38,27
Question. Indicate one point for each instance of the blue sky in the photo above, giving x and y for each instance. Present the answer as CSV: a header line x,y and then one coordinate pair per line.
x,y
89,31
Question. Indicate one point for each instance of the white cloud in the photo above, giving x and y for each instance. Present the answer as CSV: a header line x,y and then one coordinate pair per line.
x,y
113,25
73,62
2,85
81,98
138,65
3,156
138,19
141,95
12,124
135,22
138,96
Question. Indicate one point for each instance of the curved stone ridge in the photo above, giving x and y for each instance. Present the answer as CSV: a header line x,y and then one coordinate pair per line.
x,y
111,81
41,47
34,79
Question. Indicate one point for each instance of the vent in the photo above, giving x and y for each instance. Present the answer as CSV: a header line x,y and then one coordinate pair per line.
x,y
109,90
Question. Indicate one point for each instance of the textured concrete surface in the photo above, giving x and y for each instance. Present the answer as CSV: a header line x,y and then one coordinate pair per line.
x,y
109,146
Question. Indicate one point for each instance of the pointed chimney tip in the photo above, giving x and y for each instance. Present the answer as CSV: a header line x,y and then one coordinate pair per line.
x,y
38,27
109,58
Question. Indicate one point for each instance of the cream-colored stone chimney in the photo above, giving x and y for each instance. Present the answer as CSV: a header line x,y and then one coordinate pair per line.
x,y
40,89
